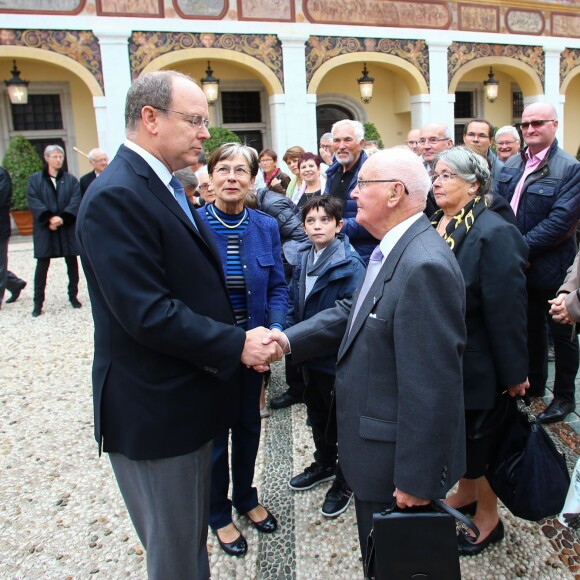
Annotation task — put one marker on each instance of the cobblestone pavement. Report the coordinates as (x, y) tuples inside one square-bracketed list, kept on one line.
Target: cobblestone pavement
[(61, 514)]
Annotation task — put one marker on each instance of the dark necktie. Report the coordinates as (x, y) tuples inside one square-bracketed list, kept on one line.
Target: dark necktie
[(181, 199)]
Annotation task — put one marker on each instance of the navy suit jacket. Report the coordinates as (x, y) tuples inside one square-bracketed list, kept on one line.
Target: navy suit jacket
[(166, 372)]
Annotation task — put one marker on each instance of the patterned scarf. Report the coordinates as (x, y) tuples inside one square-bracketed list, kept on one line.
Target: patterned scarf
[(268, 178), (461, 223)]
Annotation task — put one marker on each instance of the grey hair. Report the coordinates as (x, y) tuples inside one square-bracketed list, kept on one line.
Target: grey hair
[(357, 126), (229, 150), (326, 137), (510, 130), (187, 178), (151, 89), (447, 132), (50, 148), (202, 157), (467, 165), (402, 164), (93, 152)]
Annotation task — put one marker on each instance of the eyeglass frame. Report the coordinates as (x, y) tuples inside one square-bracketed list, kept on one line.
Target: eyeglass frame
[(365, 181), (505, 143), (536, 123), (203, 122), (471, 135), (432, 140), (435, 176), (416, 142), (239, 171)]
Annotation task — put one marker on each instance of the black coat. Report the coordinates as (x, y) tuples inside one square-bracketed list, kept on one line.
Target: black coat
[(492, 259), (5, 202), (86, 180), (45, 202)]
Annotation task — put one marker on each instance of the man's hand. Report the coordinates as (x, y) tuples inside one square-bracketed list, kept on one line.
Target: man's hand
[(406, 500), (259, 353), (559, 311), (325, 155), (278, 336), (520, 389)]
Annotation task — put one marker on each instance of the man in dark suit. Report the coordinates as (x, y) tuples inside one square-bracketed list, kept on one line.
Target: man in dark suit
[(166, 372), (399, 397), (99, 160)]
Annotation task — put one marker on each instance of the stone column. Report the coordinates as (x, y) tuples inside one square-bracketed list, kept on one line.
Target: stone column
[(117, 79), (300, 108), (552, 86), (442, 109), (420, 110)]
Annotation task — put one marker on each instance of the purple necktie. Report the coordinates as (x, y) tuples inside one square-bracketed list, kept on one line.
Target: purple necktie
[(375, 263)]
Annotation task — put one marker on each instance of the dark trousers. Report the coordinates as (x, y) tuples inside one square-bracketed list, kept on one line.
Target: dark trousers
[(294, 380), (319, 399), (41, 273), (245, 441), (364, 522), (565, 348), (168, 501), (3, 268)]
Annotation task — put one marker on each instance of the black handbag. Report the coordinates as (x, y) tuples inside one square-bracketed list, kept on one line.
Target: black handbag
[(528, 473), (418, 543)]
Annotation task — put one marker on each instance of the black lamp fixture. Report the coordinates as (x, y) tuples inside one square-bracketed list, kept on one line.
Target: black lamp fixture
[(17, 88), (365, 85), (210, 85), (491, 86)]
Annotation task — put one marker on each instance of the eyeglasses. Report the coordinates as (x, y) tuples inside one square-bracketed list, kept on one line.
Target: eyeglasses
[(504, 143), (432, 140), (327, 147), (478, 135), (412, 142), (536, 123), (445, 176), (203, 186), (226, 170), (266, 160), (361, 183), (194, 120)]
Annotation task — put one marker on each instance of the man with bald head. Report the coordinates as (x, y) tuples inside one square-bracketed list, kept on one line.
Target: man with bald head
[(542, 186), (99, 160), (391, 443), (435, 137), (412, 141)]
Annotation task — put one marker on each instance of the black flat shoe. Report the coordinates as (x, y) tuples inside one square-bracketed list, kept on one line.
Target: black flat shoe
[(14, 294), (268, 525), (466, 548), (468, 509), (237, 548), (556, 411)]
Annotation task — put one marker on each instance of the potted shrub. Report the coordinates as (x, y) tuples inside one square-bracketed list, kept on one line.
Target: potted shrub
[(21, 161), (372, 134), (219, 136)]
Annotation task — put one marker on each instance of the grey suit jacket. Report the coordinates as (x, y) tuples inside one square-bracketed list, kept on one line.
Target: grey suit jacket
[(399, 392)]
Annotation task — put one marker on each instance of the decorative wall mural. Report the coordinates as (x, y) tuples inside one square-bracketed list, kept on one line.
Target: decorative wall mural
[(320, 49), (569, 60), (42, 5), (80, 45), (130, 7), (201, 8), (478, 18), (266, 10), (145, 47), (393, 13), (566, 25), (460, 53), (524, 21)]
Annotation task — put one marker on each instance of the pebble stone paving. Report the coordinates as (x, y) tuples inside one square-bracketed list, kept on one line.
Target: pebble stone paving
[(61, 514)]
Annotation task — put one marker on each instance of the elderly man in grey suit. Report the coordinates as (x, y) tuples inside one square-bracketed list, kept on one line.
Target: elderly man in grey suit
[(399, 398)]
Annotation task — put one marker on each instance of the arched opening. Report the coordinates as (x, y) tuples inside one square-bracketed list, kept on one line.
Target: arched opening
[(328, 115)]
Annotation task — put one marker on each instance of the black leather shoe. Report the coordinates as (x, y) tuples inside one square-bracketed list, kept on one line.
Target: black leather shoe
[(237, 548), (14, 294), (468, 509), (556, 411), (466, 548), (37, 311), (268, 525), (75, 303), (283, 400)]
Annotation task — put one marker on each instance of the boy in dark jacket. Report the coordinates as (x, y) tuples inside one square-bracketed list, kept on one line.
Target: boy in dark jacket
[(328, 269)]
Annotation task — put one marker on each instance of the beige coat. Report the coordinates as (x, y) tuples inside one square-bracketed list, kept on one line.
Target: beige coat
[(570, 287)]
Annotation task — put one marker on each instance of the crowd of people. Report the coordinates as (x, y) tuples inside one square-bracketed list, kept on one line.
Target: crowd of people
[(397, 281)]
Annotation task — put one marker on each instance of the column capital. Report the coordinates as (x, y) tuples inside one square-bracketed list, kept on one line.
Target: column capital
[(438, 45), (108, 36), (296, 40)]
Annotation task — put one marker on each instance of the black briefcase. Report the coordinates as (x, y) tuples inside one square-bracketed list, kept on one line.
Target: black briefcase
[(417, 543)]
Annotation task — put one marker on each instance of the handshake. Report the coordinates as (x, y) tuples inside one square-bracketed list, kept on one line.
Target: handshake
[(263, 347)]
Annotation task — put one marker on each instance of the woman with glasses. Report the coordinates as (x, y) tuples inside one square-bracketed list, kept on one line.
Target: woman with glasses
[(492, 256), (274, 178), (249, 246)]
